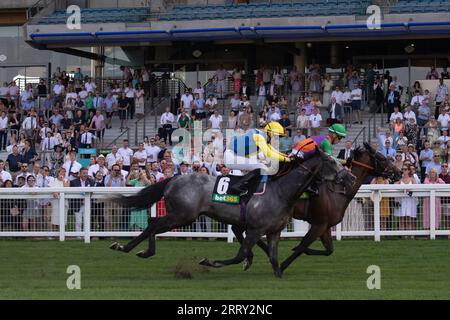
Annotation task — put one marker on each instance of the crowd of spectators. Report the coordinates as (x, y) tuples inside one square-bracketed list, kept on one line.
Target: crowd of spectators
[(75, 114)]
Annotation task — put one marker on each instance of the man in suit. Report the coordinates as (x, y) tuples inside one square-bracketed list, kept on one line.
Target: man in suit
[(78, 205), (335, 111), (391, 100), (347, 152), (245, 89)]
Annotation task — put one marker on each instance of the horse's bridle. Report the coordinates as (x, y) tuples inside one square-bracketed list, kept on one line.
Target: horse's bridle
[(374, 169)]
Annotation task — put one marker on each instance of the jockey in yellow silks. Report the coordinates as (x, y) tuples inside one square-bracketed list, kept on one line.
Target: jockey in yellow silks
[(254, 152)]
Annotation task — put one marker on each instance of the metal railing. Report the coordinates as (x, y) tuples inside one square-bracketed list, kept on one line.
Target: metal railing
[(376, 211)]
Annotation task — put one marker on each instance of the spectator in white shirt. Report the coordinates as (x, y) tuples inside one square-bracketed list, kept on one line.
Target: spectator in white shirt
[(127, 154), (99, 166), (14, 91), (4, 90), (416, 101), (443, 120), (130, 93), (152, 150), (30, 124), (4, 175), (58, 90), (409, 113), (49, 142), (90, 86), (154, 171), (167, 120), (86, 138), (356, 95), (337, 94), (396, 115), (83, 94), (141, 155), (315, 121), (199, 90), (186, 102), (215, 121), (443, 139), (113, 157), (72, 166)]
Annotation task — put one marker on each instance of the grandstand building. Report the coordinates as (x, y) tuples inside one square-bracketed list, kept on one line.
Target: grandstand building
[(193, 37)]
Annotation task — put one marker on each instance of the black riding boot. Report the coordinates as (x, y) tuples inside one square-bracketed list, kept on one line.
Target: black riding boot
[(243, 184)]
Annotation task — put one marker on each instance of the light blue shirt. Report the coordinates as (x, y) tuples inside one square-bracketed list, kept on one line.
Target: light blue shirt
[(200, 103), (109, 103), (114, 183), (426, 153)]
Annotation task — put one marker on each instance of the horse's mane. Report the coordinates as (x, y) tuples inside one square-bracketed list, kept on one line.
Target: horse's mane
[(358, 151)]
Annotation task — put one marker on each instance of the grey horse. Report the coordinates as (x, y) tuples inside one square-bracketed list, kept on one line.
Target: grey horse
[(187, 197)]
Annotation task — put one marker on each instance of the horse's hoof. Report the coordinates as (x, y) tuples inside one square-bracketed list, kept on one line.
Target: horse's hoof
[(278, 273), (142, 254), (205, 262), (115, 246), (247, 265)]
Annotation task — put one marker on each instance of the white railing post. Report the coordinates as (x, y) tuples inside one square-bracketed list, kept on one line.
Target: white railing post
[(153, 211), (62, 216), (87, 217), (229, 234), (339, 231), (432, 214), (376, 215)]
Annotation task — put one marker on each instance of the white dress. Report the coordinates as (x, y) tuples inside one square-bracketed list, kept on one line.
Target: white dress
[(139, 102), (327, 87), (55, 203), (408, 206)]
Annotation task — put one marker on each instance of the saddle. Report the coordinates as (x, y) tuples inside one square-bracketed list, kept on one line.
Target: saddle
[(225, 192)]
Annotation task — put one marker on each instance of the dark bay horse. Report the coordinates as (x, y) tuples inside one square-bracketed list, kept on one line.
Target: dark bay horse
[(187, 197), (328, 209)]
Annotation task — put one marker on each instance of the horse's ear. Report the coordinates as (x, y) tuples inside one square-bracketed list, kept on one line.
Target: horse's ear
[(368, 147)]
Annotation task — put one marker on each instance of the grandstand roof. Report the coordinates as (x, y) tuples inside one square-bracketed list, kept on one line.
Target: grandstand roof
[(290, 32)]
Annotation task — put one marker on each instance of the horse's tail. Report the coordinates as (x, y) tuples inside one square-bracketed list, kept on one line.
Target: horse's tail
[(144, 198)]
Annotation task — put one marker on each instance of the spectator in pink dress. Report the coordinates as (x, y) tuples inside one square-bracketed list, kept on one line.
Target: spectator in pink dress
[(433, 178)]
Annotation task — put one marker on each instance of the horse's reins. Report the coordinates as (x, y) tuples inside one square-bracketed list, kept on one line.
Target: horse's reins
[(363, 165)]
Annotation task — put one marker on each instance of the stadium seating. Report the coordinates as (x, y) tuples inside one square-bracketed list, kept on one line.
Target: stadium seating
[(420, 6), (100, 15), (297, 8), (266, 10)]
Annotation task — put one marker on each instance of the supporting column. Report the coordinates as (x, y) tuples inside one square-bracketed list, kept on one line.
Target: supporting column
[(97, 67), (300, 60), (335, 53)]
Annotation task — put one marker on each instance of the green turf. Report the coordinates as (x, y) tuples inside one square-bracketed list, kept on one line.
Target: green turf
[(414, 269)]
